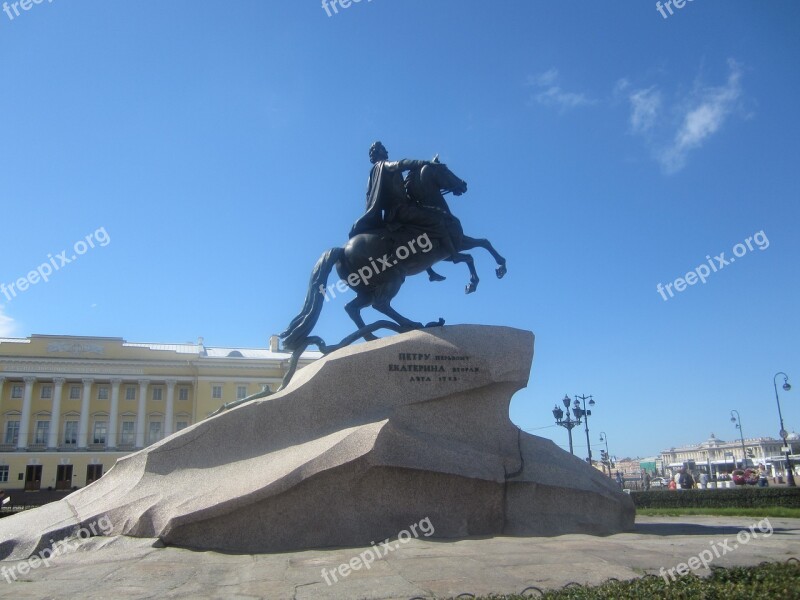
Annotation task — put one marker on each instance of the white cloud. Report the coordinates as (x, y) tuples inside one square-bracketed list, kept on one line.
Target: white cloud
[(621, 85), (547, 78), (7, 325), (645, 107), (555, 96), (688, 124), (703, 118), (552, 94)]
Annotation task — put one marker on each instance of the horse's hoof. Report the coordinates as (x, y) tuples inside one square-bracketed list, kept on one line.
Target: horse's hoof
[(501, 270), (437, 277), (471, 287)]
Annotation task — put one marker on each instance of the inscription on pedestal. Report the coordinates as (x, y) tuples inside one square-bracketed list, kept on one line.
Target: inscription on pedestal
[(425, 367)]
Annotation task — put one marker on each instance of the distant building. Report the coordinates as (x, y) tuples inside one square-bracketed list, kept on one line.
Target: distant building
[(71, 406), (630, 468), (718, 456)]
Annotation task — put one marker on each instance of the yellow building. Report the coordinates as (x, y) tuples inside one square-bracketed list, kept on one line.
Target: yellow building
[(71, 406)]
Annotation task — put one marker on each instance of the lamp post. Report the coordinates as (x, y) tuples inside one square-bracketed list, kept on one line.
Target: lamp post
[(738, 420), (569, 422), (586, 414), (604, 438), (786, 387)]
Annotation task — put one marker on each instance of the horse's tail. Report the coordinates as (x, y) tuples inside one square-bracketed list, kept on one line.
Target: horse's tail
[(302, 325)]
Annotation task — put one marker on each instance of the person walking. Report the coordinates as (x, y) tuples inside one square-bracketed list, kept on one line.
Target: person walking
[(686, 481)]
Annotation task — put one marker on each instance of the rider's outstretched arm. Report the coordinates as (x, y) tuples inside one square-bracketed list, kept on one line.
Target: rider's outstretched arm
[(405, 164)]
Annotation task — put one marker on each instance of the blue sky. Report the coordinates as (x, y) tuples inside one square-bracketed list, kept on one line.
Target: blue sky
[(220, 148)]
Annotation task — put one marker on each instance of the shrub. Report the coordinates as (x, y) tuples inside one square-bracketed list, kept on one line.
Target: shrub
[(768, 581), (743, 497)]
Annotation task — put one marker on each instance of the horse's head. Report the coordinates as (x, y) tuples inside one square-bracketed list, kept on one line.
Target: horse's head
[(425, 185), (439, 175)]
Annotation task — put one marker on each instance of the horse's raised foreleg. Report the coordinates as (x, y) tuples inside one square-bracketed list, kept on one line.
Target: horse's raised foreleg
[(468, 243), (473, 274)]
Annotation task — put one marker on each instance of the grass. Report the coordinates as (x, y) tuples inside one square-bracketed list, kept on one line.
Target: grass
[(768, 581), (768, 511)]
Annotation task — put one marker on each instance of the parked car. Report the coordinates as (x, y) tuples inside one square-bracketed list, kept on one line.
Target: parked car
[(659, 482)]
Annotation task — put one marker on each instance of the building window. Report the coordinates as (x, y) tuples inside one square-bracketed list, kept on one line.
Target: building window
[(16, 392), (75, 392), (46, 392), (100, 431), (3, 473), (216, 392), (102, 393), (42, 427), (183, 393), (127, 433), (264, 387), (12, 432), (157, 393), (241, 392), (181, 425), (154, 433), (71, 433), (130, 393)]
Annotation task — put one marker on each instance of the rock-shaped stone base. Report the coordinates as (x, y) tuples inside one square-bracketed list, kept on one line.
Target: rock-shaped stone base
[(362, 444)]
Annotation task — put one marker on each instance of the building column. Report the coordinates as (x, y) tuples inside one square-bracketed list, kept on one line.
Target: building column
[(55, 418), (25, 419), (140, 414), (83, 427), (113, 416), (2, 382), (170, 410)]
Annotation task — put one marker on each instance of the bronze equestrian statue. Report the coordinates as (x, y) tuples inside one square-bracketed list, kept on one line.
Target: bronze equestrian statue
[(407, 228)]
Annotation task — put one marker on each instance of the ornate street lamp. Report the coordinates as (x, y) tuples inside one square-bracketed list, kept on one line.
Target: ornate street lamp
[(607, 457), (586, 414), (786, 387), (569, 422), (738, 420)]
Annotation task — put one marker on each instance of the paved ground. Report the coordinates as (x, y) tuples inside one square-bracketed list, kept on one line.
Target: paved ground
[(126, 568)]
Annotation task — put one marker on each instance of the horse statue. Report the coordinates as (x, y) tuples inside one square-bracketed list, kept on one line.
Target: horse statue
[(375, 264), (401, 251)]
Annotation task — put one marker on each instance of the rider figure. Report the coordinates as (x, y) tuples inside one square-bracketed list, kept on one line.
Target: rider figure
[(388, 204)]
